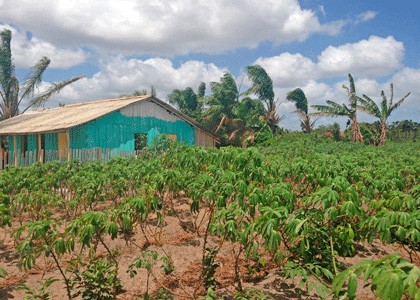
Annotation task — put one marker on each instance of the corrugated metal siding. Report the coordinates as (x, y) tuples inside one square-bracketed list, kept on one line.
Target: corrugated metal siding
[(204, 139), (116, 130), (60, 118), (32, 142), (51, 141), (78, 137)]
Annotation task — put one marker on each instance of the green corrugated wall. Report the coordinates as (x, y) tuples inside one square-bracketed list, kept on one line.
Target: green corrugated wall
[(113, 131), (32, 142), (116, 131)]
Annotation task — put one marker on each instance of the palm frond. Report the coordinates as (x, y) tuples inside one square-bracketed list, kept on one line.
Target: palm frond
[(6, 64), (391, 86), (369, 106), (351, 92), (34, 78), (262, 85), (298, 96), (336, 105), (393, 107), (233, 135), (384, 103), (53, 89), (325, 110), (10, 106), (222, 122), (352, 86)]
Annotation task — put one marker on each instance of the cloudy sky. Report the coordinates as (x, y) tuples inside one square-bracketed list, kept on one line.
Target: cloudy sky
[(122, 46)]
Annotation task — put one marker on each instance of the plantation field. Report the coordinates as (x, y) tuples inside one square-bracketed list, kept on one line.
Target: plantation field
[(298, 218)]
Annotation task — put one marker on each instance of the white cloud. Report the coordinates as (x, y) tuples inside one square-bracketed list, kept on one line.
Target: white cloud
[(27, 52), (288, 69), (165, 27), (373, 57), (366, 16), (118, 76), (121, 76), (322, 10), (370, 58)]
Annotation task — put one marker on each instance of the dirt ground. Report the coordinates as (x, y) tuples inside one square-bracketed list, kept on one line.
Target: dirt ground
[(185, 249)]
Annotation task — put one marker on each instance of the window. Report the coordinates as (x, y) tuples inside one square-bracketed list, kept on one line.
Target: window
[(140, 141)]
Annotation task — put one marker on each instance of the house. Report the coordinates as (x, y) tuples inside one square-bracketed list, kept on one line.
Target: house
[(122, 124)]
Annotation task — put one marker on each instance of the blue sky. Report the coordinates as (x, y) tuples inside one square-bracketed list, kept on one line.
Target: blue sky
[(122, 46)]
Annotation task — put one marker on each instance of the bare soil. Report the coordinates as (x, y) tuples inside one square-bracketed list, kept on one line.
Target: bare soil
[(178, 240)]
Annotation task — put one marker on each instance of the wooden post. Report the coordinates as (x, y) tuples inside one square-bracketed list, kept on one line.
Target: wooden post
[(3, 155), (68, 145), (40, 158), (15, 158)]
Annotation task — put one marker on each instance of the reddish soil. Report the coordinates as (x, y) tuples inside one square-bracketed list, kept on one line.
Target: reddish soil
[(177, 240)]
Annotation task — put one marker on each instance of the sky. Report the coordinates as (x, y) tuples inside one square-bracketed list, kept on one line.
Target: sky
[(128, 45)]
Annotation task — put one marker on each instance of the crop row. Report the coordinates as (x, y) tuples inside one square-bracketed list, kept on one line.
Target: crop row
[(299, 204)]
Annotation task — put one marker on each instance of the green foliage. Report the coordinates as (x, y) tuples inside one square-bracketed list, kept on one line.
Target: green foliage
[(188, 101), (300, 202), (12, 94), (3, 273), (161, 143), (209, 268), (383, 111), (406, 130), (332, 131), (162, 294), (390, 278), (334, 109), (253, 294), (146, 261), (38, 294), (99, 280), (262, 85), (5, 210)]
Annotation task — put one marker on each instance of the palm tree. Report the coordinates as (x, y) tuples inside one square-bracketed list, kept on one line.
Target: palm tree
[(187, 102), (334, 109), (219, 115), (301, 102), (262, 86), (12, 94), (381, 112)]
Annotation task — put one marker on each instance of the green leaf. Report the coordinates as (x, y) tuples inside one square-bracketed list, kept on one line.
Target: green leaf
[(389, 285), (112, 230), (352, 286), (60, 246), (299, 226), (3, 273), (410, 282), (339, 280)]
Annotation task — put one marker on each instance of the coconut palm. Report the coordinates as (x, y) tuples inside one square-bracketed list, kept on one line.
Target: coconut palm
[(381, 112), (301, 102), (262, 86), (12, 94), (187, 102), (334, 109), (218, 114)]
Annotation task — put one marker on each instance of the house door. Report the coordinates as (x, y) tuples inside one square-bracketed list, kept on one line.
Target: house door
[(63, 146), (171, 136)]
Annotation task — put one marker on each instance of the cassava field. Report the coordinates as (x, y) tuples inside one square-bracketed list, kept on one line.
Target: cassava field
[(296, 219)]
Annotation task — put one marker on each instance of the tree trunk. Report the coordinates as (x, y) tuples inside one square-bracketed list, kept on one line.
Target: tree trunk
[(355, 131), (382, 137)]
